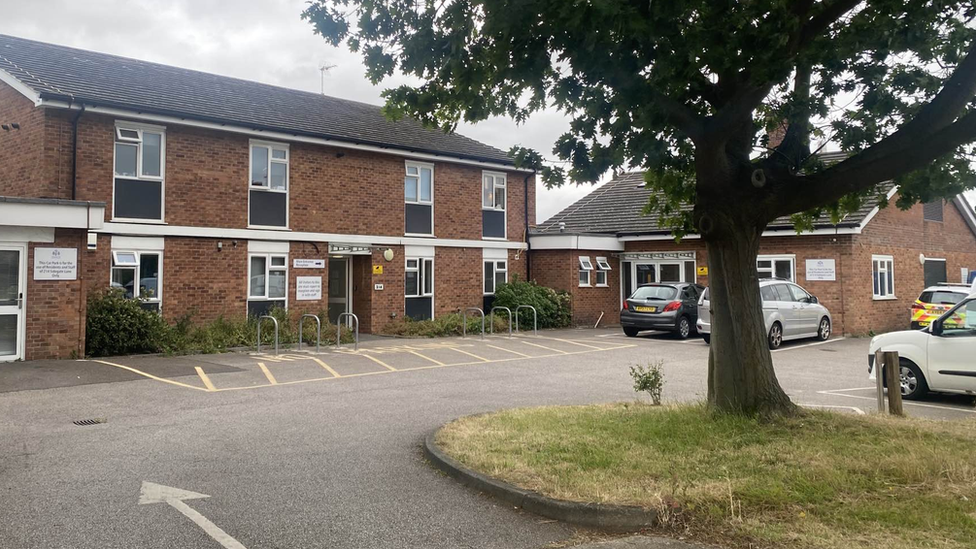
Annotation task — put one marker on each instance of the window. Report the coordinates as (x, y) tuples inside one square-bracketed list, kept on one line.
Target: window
[(782, 293), (267, 283), (419, 288), (493, 200), (770, 266), (584, 273), (139, 167), (602, 263), (139, 275), (268, 194), (601, 274), (883, 275), (960, 321), (932, 211), (418, 195), (799, 294), (496, 273)]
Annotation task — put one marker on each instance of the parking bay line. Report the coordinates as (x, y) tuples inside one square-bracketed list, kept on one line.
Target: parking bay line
[(150, 376), (267, 373), (326, 366), (509, 351), (469, 354), (543, 347), (905, 403), (415, 353), (808, 345), (378, 361), (206, 379)]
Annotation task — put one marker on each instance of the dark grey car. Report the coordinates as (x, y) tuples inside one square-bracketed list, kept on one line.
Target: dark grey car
[(664, 306)]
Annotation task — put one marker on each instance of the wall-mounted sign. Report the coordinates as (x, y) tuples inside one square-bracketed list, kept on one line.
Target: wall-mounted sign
[(377, 269), (703, 270), (308, 288), (55, 264), (349, 249), (378, 287), (821, 269), (657, 255), (309, 263)]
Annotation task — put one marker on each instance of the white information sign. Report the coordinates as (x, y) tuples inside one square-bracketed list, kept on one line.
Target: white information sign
[(309, 263), (55, 264), (821, 269), (308, 288)]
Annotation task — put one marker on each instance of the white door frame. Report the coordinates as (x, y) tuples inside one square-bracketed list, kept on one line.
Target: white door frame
[(20, 309), (349, 286)]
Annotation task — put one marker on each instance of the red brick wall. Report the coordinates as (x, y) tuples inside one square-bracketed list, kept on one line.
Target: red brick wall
[(55, 323), (559, 269), (25, 164), (390, 300), (458, 279)]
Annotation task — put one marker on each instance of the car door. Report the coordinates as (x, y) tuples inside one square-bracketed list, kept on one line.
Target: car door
[(807, 315), (689, 303), (789, 311), (950, 353)]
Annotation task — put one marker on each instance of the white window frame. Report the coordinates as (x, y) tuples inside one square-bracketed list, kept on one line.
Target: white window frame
[(603, 264), (499, 180), (494, 274), (585, 266), (267, 276), (601, 274), (406, 173), (137, 266), (774, 258), (139, 128), (271, 146), (885, 264), (423, 272)]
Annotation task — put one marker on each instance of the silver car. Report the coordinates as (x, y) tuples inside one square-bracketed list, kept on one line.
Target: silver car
[(789, 310)]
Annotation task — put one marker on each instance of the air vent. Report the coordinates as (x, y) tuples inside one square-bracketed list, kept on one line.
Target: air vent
[(87, 422)]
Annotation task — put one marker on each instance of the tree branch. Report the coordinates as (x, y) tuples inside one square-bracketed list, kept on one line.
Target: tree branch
[(820, 22), (683, 118)]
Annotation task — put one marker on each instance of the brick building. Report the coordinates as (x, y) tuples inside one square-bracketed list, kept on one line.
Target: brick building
[(867, 269), (217, 196)]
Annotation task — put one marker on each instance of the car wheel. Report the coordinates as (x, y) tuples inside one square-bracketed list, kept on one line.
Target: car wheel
[(775, 336), (631, 332), (913, 385), (914, 326), (684, 328), (707, 338), (823, 332)]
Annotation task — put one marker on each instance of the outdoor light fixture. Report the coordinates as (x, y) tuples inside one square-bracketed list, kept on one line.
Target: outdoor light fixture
[(388, 254), (220, 246)]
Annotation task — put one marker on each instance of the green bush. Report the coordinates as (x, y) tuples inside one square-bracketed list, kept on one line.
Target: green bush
[(443, 326), (551, 306), (649, 379), (117, 325)]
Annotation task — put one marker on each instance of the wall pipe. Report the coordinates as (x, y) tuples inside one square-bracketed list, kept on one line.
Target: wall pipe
[(74, 153)]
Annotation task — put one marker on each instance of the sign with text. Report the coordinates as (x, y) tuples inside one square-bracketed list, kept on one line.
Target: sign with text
[(377, 269), (821, 269), (55, 264), (308, 288), (309, 263)]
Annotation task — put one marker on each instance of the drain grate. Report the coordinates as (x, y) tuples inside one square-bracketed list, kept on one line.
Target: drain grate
[(86, 422)]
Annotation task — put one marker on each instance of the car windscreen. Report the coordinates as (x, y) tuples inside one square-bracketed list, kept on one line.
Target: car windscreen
[(945, 298), (655, 292)]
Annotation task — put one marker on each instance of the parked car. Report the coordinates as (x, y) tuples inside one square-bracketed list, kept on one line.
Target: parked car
[(790, 313), (934, 301), (664, 306), (936, 358)]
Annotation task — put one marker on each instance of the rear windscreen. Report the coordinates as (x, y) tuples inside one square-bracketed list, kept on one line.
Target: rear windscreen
[(655, 292), (945, 298)]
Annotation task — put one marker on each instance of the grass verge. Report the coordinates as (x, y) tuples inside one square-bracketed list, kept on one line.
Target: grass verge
[(819, 480)]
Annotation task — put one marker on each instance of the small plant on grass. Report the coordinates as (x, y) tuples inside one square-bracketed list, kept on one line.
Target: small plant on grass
[(649, 379)]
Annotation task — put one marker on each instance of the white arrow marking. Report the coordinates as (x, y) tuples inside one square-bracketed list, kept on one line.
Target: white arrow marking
[(157, 493)]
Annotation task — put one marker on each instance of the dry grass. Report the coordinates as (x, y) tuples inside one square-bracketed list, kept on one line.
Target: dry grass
[(820, 480)]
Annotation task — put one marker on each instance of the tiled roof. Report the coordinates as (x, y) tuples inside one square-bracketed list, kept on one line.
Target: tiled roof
[(616, 208), (58, 72)]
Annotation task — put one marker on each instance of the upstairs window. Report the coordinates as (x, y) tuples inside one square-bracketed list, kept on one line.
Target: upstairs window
[(418, 196), (139, 276), (493, 205), (268, 201), (932, 211), (139, 168), (267, 283)]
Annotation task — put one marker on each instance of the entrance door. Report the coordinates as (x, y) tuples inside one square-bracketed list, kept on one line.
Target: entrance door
[(338, 288), (12, 302)]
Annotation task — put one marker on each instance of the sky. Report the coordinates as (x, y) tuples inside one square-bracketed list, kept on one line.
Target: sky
[(260, 40)]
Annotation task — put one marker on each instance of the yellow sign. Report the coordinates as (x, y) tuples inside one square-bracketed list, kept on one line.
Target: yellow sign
[(703, 270), (377, 269)]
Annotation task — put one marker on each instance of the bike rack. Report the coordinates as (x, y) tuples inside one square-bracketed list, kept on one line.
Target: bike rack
[(535, 319), (273, 319), (464, 321), (318, 331), (506, 309), (339, 329)]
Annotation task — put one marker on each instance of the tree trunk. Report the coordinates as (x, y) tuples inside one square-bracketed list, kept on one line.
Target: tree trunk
[(740, 367)]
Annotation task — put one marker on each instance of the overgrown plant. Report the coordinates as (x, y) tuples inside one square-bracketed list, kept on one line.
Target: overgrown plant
[(649, 379), (117, 325), (553, 307)]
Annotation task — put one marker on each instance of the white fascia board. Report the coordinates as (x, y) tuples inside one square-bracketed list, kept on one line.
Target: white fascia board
[(20, 87), (494, 253), (279, 136), (783, 232), (268, 247), (139, 229), (966, 209), (418, 251), (27, 234), (60, 216), (147, 243), (867, 219), (576, 242)]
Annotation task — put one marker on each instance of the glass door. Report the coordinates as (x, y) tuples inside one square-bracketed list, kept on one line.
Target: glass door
[(338, 288), (670, 272), (11, 302)]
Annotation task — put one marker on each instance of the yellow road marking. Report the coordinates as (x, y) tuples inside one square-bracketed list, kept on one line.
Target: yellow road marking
[(380, 362), (571, 342), (469, 354), (267, 373), (511, 351), (428, 358), (326, 366), (543, 347), (150, 376), (206, 379)]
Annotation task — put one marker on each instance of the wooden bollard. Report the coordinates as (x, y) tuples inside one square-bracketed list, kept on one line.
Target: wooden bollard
[(892, 373)]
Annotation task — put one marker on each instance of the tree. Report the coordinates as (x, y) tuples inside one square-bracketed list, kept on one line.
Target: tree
[(687, 90)]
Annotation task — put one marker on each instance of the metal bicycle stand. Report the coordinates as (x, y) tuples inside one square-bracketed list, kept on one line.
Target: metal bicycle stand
[(318, 331), (273, 319), (339, 329), (464, 321), (535, 319), (492, 326)]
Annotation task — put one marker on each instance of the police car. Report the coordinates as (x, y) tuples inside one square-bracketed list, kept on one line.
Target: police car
[(936, 300), (939, 357)]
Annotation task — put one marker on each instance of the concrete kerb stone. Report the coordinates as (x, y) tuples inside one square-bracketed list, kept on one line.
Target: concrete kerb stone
[(612, 518)]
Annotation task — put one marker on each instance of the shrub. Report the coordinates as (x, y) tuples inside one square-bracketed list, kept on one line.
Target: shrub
[(442, 326), (117, 325), (551, 306), (649, 379)]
